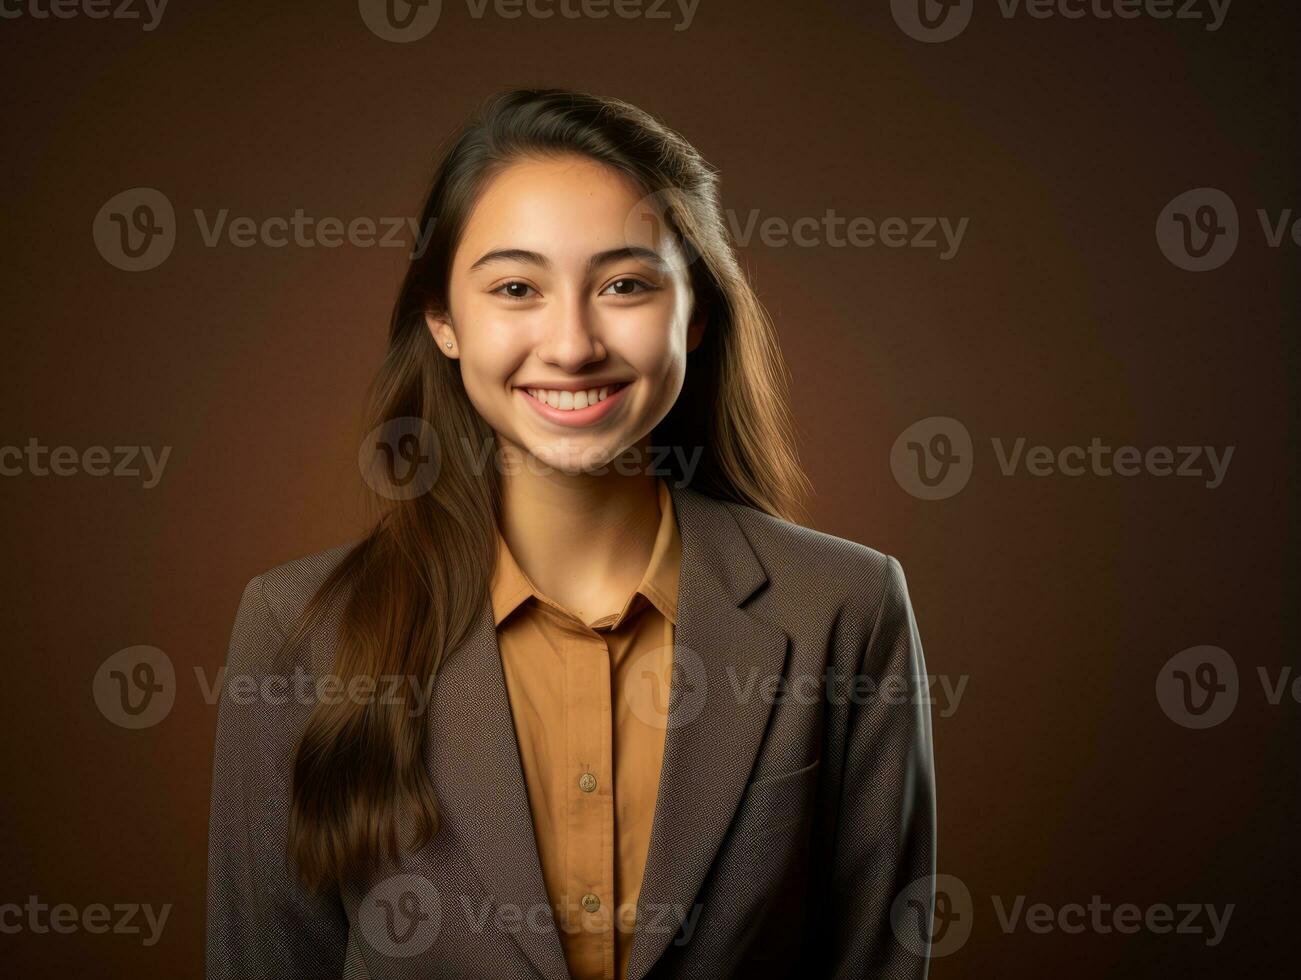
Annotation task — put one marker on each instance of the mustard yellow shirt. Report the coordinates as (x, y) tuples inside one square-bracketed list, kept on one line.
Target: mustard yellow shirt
[(590, 704)]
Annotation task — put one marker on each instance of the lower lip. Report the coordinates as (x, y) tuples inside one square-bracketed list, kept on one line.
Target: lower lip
[(575, 416)]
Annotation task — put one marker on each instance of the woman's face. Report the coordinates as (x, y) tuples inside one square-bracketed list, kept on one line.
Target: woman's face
[(570, 312)]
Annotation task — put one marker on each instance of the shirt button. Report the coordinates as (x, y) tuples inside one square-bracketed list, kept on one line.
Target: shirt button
[(591, 902), (587, 782)]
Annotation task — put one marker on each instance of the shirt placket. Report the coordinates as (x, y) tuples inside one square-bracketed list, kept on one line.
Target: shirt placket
[(590, 802)]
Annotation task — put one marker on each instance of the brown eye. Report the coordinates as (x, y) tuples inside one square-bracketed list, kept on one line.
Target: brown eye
[(514, 290), (628, 287)]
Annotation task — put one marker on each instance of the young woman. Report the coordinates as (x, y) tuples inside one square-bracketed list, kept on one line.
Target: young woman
[(585, 701)]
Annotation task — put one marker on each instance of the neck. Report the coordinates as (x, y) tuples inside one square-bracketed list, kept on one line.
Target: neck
[(584, 540)]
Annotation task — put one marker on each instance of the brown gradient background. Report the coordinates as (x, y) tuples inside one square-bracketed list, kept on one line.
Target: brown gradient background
[(1058, 598)]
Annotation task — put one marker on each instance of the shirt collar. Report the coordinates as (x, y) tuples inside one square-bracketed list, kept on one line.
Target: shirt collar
[(659, 584)]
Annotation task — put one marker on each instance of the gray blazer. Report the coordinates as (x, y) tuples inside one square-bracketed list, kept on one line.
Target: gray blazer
[(794, 833)]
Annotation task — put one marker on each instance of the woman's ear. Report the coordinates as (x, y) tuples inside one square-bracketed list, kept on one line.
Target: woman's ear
[(696, 329), (440, 328)]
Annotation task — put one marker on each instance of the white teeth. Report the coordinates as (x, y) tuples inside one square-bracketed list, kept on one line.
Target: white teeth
[(569, 401)]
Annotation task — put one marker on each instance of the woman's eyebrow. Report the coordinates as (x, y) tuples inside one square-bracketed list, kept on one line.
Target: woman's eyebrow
[(647, 255), (511, 255)]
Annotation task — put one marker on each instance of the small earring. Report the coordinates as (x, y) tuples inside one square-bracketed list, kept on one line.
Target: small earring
[(448, 344)]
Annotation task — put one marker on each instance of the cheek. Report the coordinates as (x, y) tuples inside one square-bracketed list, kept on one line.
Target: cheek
[(493, 346), (656, 351)]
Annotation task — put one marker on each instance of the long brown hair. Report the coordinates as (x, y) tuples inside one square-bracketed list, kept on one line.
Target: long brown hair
[(412, 588)]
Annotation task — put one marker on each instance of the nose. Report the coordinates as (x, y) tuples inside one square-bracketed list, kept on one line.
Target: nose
[(570, 336)]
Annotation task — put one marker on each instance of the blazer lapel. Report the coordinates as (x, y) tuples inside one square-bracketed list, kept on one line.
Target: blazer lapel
[(475, 766), (714, 732)]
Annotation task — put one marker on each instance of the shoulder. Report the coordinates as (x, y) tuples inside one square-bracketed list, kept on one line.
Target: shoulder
[(285, 589), (796, 555), (814, 583), (263, 708), (850, 593), (272, 602)]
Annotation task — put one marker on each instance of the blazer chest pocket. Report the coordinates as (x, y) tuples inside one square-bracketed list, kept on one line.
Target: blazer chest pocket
[(774, 804)]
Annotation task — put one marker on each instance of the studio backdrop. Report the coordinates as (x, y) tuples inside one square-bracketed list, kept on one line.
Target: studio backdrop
[(1033, 267)]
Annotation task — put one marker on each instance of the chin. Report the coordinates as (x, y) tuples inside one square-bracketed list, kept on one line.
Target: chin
[(576, 457)]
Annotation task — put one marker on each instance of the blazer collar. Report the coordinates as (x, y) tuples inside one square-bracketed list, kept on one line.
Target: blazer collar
[(711, 741)]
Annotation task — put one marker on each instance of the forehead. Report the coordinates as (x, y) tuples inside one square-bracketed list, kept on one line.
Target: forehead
[(565, 207)]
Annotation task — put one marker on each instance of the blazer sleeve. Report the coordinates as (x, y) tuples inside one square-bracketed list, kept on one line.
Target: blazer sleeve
[(884, 847), (260, 921)]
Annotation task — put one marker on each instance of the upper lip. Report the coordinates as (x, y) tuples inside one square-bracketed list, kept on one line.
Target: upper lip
[(574, 385)]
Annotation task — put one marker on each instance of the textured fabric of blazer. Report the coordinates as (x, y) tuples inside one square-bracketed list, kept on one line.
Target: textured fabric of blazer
[(794, 830)]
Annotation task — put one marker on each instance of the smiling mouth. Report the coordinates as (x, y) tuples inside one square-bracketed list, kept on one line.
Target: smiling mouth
[(572, 401)]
